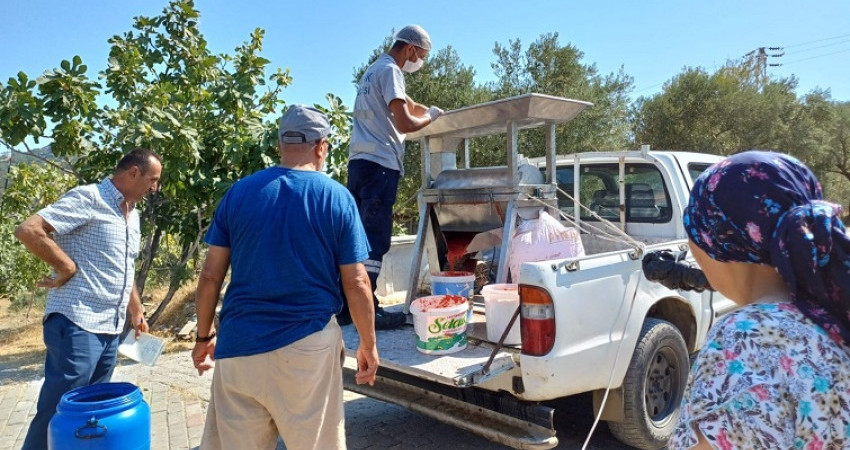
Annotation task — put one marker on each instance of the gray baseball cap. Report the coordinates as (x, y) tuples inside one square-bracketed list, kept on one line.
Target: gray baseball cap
[(301, 124), (416, 35)]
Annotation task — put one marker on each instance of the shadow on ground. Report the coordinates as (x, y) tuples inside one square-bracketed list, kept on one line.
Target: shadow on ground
[(574, 419), (21, 367)]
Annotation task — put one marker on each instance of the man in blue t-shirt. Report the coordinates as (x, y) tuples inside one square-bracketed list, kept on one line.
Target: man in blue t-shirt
[(290, 235), (383, 113)]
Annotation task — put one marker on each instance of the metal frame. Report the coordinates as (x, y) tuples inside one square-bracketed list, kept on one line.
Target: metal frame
[(506, 116)]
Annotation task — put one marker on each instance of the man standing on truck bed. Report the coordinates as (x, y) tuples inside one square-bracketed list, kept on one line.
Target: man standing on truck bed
[(383, 113)]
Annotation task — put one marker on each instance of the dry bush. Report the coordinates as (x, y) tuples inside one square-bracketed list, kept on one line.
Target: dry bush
[(176, 314)]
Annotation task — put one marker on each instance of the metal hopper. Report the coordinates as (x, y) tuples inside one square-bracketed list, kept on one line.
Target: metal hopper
[(455, 203)]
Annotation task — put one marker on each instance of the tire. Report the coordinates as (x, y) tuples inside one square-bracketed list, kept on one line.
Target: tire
[(653, 387)]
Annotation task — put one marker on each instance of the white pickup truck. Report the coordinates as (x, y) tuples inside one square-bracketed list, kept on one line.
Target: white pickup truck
[(588, 324)]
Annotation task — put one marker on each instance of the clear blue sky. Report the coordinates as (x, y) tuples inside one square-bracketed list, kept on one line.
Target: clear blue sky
[(323, 41)]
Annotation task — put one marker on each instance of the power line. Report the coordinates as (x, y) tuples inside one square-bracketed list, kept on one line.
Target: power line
[(816, 48), (649, 87), (761, 58), (782, 50), (819, 40), (819, 56)]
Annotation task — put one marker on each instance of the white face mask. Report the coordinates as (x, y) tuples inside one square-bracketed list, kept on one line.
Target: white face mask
[(411, 67)]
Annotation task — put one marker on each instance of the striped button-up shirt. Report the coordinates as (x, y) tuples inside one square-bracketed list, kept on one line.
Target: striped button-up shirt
[(91, 229)]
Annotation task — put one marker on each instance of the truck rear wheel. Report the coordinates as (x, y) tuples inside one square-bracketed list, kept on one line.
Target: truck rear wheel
[(653, 386)]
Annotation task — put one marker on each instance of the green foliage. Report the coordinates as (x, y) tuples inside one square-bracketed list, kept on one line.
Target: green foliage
[(20, 110), (738, 108), (443, 80), (719, 113), (32, 187), (725, 112), (210, 117), (340, 119), (69, 102), (547, 67), (832, 157)]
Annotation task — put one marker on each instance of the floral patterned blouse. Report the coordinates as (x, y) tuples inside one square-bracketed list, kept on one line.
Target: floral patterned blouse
[(767, 378)]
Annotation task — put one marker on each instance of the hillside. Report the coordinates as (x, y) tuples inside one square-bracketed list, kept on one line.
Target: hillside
[(7, 159)]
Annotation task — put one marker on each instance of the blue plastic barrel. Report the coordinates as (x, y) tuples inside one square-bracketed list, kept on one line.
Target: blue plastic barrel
[(105, 416)]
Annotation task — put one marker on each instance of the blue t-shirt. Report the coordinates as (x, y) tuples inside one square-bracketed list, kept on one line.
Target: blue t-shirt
[(288, 232)]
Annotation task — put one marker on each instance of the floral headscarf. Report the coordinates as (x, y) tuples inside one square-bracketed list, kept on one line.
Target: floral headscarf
[(764, 207)]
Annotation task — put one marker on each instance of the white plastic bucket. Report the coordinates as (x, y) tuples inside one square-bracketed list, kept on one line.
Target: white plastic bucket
[(500, 303), (438, 330)]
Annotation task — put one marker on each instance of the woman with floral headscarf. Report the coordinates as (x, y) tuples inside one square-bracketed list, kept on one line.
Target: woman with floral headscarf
[(775, 373)]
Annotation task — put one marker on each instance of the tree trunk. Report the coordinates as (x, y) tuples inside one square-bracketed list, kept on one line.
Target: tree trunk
[(152, 244), (189, 251), (172, 289), (173, 284), (149, 252)]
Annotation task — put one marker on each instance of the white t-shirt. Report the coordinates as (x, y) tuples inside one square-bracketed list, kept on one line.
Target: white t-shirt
[(374, 136)]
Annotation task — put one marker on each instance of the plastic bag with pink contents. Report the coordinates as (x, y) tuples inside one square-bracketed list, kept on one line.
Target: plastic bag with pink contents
[(542, 239)]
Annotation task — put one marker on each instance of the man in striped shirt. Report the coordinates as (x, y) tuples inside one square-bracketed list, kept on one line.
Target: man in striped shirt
[(90, 238)]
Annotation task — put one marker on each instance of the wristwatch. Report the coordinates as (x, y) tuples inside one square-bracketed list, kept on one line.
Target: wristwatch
[(205, 338)]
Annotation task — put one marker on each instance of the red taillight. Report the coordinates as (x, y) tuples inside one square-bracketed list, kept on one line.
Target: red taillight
[(537, 320)]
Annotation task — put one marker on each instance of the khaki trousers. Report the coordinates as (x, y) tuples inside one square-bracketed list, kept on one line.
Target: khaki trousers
[(294, 391)]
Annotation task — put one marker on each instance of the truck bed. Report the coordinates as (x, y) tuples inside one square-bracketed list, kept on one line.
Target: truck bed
[(397, 350)]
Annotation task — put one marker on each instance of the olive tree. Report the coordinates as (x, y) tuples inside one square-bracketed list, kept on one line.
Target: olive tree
[(737, 108), (549, 67)]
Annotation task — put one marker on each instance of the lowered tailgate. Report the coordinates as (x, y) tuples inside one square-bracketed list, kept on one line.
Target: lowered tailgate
[(464, 368)]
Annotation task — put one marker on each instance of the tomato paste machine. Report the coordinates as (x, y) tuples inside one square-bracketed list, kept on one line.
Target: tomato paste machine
[(457, 203)]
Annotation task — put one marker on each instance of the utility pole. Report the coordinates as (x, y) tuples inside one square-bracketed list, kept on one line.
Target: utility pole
[(757, 61), (6, 181), (761, 63), (8, 170)]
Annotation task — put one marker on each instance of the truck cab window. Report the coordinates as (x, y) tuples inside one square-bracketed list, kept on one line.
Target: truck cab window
[(696, 169), (647, 199)]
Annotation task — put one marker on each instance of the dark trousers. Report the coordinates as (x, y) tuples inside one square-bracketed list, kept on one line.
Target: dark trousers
[(75, 358), (374, 188)]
